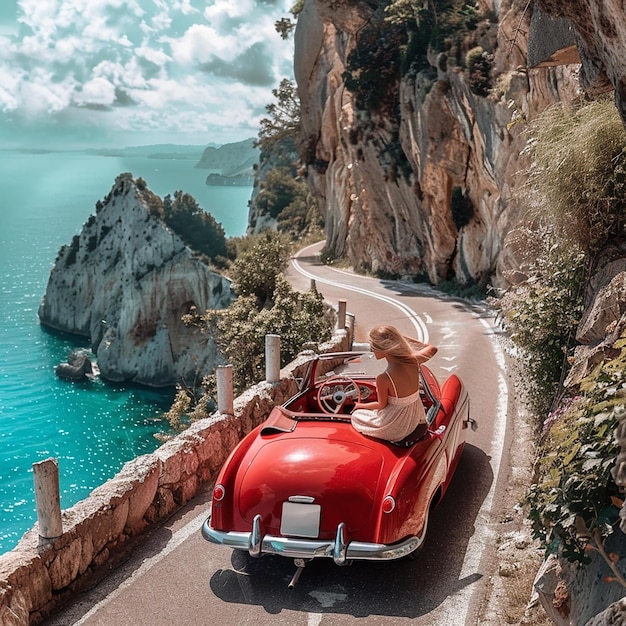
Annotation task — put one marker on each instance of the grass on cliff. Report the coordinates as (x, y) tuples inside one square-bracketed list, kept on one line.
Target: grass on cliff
[(579, 171)]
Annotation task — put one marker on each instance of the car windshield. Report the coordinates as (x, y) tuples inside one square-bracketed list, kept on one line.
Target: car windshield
[(356, 364)]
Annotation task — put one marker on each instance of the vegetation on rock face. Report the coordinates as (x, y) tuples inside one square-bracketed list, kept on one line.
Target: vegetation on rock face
[(373, 66), (542, 313), (577, 184), (397, 41), (197, 228), (574, 503)]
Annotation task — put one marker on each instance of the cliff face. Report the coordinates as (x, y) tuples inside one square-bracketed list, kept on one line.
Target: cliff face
[(601, 39), (125, 282), (434, 189)]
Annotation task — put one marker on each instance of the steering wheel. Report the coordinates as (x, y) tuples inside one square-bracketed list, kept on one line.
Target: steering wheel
[(335, 392)]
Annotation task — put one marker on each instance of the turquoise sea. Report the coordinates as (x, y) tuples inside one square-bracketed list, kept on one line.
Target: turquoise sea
[(92, 428)]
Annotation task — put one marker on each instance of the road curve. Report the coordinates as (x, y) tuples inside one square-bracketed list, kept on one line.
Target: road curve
[(175, 577)]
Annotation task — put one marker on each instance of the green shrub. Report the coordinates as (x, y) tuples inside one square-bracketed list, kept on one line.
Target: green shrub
[(258, 264), (72, 251), (574, 501), (279, 191), (479, 72), (542, 313), (298, 318)]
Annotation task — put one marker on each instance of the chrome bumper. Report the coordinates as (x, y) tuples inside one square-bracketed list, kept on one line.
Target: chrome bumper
[(293, 547)]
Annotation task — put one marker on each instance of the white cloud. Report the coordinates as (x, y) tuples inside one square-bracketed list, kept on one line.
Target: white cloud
[(174, 66), (199, 44), (42, 94), (98, 91)]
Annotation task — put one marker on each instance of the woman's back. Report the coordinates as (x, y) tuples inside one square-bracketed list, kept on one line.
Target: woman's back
[(404, 378)]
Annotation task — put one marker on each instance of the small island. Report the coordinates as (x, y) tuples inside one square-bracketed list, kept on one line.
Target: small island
[(241, 180)]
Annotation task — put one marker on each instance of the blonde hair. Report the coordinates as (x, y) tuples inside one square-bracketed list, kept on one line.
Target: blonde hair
[(389, 340)]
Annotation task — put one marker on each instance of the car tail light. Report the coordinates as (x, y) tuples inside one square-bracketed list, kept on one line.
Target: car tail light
[(218, 492), (389, 504)]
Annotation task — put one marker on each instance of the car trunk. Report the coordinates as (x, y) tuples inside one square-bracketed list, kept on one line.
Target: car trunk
[(324, 480)]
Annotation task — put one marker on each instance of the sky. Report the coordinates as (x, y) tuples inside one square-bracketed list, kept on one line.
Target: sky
[(114, 73)]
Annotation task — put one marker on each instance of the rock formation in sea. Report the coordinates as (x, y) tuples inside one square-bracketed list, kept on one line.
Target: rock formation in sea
[(125, 283), (429, 183)]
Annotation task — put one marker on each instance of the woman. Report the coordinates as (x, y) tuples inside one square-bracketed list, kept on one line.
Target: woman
[(398, 410)]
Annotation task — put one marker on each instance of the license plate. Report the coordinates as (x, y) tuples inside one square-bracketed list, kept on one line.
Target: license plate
[(300, 520)]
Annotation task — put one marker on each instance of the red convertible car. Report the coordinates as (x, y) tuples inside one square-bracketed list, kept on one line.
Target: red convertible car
[(305, 484)]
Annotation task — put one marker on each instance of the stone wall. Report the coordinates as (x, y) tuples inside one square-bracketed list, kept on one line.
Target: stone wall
[(38, 576)]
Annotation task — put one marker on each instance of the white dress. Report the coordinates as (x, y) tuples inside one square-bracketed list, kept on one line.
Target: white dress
[(393, 422)]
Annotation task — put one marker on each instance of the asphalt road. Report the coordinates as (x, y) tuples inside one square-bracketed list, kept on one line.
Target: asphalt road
[(175, 577)]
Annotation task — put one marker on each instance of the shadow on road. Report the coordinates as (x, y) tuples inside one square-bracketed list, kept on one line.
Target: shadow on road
[(406, 588)]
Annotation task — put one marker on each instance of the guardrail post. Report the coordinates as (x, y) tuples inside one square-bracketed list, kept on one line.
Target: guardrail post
[(225, 395), (47, 496), (272, 358), (350, 324), (341, 314)]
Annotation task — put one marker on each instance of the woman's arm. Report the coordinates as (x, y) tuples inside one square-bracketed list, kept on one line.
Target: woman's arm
[(426, 353), (423, 351), (382, 394)]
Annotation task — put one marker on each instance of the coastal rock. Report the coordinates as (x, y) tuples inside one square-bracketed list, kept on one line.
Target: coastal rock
[(78, 366), (125, 283), (430, 185)]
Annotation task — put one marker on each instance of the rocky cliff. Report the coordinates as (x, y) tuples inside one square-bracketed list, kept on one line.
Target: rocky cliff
[(232, 159), (432, 185), (125, 282)]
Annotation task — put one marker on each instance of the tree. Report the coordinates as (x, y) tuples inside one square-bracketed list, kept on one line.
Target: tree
[(284, 115), (197, 228), (296, 317), (285, 26), (265, 304), (256, 268)]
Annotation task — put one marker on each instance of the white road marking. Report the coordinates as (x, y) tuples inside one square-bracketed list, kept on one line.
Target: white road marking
[(419, 325), (327, 599)]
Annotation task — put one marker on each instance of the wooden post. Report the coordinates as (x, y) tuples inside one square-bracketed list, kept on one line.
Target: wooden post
[(341, 315), (46, 474), (272, 358), (225, 395)]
